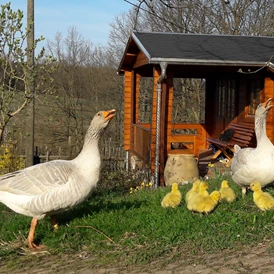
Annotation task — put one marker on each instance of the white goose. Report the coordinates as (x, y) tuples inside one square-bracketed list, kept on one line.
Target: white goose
[(255, 164), (55, 186)]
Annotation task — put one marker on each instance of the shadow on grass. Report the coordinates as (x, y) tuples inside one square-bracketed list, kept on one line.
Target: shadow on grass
[(89, 208)]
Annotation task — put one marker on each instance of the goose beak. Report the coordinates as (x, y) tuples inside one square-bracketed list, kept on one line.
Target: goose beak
[(267, 104), (109, 114)]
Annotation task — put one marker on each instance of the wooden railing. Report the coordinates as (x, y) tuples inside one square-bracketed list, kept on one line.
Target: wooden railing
[(181, 139), (185, 139), (141, 145)]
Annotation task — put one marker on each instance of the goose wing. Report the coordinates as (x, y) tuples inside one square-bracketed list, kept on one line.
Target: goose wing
[(241, 158), (242, 166), (37, 179)]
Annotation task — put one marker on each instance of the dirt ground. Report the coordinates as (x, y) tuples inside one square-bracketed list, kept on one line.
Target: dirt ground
[(249, 260)]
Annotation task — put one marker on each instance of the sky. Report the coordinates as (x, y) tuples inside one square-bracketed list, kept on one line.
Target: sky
[(90, 17)]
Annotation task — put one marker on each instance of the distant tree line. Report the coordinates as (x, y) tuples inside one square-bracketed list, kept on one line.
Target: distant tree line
[(86, 81)]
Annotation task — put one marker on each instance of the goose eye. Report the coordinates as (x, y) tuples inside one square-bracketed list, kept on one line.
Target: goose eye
[(99, 114)]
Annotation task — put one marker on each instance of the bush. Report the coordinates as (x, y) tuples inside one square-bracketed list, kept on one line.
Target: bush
[(8, 161)]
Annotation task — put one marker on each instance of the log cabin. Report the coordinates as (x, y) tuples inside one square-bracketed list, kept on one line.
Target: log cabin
[(180, 89)]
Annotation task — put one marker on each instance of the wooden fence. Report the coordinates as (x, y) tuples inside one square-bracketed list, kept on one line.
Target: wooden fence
[(112, 154)]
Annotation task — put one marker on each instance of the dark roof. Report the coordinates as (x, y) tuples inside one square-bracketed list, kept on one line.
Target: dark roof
[(207, 49)]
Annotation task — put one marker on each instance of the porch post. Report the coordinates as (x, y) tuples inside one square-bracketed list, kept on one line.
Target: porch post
[(163, 132), (129, 90), (158, 121)]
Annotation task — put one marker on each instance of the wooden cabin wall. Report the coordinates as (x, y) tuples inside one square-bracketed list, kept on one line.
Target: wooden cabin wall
[(266, 92), (269, 93), (214, 127), (242, 99), (128, 108), (136, 93)]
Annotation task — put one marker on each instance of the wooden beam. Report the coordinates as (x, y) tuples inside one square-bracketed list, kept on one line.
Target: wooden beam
[(131, 54), (156, 76), (141, 60), (163, 132)]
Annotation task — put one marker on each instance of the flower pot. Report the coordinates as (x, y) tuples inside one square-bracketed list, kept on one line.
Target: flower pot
[(180, 168)]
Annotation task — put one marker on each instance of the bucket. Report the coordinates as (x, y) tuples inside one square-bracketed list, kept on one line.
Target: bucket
[(180, 167)]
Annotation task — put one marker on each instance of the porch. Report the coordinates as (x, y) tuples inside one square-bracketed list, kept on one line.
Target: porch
[(183, 144)]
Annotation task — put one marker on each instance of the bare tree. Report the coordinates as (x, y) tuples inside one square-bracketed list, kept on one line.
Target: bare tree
[(16, 76), (85, 82), (243, 17), (119, 33), (71, 53)]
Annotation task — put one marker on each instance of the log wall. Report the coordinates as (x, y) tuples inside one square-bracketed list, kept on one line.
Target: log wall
[(128, 106)]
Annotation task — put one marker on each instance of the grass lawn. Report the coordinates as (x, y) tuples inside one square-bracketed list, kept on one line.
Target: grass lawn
[(116, 225)]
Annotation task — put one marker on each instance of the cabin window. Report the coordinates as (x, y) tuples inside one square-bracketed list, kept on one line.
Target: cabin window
[(226, 90), (188, 101), (255, 92), (145, 100)]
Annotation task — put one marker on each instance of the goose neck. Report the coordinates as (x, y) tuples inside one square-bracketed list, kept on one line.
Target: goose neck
[(90, 148), (260, 129)]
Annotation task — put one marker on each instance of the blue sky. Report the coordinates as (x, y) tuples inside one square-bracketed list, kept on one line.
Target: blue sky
[(91, 17)]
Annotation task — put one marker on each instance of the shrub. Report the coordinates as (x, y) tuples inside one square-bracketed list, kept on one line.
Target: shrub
[(8, 161)]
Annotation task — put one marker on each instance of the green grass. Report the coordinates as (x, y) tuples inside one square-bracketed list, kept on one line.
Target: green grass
[(134, 228)]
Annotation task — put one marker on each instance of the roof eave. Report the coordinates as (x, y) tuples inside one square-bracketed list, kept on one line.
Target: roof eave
[(178, 61), (140, 46), (194, 62), (120, 71)]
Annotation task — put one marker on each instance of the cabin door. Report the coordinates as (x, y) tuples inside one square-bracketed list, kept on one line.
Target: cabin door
[(225, 102)]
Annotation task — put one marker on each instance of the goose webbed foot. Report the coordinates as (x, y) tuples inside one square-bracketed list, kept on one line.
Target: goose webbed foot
[(243, 192), (30, 239)]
